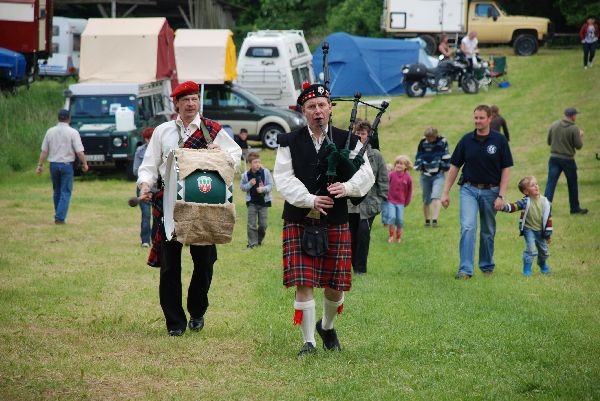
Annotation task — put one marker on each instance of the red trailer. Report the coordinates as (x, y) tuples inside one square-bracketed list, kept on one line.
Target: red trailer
[(26, 27)]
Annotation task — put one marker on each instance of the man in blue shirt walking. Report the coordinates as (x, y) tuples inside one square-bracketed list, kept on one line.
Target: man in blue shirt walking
[(486, 159)]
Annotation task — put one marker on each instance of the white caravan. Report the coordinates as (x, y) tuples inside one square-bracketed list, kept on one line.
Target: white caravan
[(66, 41), (274, 64)]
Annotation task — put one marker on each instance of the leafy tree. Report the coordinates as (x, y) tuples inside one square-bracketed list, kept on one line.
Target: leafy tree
[(576, 11), (358, 17)]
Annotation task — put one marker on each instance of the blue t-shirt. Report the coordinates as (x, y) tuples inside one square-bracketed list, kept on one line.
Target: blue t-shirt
[(483, 159)]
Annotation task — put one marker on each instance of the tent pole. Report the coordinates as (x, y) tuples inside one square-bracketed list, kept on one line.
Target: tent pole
[(201, 99)]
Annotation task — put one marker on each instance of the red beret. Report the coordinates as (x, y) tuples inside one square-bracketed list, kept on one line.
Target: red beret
[(312, 91), (184, 89), (147, 133)]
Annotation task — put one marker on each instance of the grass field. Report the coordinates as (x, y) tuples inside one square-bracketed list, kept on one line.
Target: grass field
[(79, 311)]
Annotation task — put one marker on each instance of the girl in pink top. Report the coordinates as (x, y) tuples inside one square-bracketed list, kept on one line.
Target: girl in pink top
[(399, 196)]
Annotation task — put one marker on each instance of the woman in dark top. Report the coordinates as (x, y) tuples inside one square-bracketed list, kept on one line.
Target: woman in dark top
[(499, 122)]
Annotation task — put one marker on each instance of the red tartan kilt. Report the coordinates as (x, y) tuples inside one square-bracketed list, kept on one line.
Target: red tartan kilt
[(334, 270)]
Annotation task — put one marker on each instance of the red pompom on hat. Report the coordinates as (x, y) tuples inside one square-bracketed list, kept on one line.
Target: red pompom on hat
[(305, 85), (184, 89)]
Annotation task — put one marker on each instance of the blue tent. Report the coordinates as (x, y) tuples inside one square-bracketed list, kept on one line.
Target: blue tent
[(368, 65)]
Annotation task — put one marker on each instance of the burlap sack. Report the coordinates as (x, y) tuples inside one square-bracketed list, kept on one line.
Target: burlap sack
[(203, 223), (190, 160)]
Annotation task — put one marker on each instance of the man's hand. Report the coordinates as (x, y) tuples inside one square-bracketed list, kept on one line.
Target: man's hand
[(581, 133), (337, 189), (499, 204), (85, 167), (260, 189), (548, 240), (252, 181), (39, 169), (145, 194), (322, 203), (213, 146), (445, 201)]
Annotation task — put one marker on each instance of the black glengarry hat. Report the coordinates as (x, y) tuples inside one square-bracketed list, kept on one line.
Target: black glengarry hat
[(311, 91)]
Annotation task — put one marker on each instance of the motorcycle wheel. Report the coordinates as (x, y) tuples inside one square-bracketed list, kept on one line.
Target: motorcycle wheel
[(469, 84), (415, 89)]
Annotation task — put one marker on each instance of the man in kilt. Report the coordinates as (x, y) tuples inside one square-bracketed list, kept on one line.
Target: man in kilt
[(311, 199), (189, 130)]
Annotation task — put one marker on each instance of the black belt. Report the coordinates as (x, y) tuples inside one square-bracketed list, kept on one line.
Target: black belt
[(481, 186)]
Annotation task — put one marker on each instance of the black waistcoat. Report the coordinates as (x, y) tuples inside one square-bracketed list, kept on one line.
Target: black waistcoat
[(310, 168)]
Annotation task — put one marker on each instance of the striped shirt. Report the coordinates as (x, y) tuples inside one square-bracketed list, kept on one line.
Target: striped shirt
[(433, 157)]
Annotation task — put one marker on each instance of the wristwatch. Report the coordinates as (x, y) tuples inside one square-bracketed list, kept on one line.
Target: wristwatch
[(500, 196)]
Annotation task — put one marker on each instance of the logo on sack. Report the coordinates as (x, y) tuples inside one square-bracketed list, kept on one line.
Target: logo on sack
[(204, 183), (492, 149)]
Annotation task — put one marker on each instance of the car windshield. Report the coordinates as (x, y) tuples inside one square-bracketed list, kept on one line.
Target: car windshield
[(100, 106), (250, 96)]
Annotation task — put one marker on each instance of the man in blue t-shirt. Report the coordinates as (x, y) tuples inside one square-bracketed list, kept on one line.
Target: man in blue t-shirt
[(485, 157)]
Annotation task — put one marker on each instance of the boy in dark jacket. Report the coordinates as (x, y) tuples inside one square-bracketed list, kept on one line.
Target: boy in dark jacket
[(535, 224)]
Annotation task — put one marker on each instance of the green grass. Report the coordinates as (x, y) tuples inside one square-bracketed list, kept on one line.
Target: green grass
[(80, 318)]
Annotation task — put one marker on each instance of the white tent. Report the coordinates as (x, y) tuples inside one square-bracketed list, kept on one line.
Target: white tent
[(126, 50), (205, 56)]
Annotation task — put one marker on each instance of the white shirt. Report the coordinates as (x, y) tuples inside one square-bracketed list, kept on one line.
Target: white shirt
[(62, 143), (469, 46), (294, 191), (169, 136)]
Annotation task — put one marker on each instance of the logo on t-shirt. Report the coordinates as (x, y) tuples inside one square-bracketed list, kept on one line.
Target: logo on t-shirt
[(491, 149)]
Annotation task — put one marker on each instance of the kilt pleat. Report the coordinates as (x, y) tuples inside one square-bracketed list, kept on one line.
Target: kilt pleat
[(334, 270)]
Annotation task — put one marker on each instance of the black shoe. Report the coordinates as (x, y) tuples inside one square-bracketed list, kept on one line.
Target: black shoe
[(488, 273), (176, 332), (329, 337), (307, 349), (462, 276), (580, 211), (196, 324)]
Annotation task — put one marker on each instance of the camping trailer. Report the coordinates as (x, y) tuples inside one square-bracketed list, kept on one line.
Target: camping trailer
[(66, 41), (274, 64)]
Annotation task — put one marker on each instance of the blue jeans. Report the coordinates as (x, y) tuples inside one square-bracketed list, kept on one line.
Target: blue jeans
[(393, 214), (472, 201), (62, 183), (556, 165), (145, 229), (535, 245)]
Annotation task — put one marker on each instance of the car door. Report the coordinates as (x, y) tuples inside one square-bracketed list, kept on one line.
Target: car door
[(237, 111)]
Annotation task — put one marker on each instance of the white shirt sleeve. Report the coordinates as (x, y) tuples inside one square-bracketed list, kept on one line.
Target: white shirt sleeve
[(362, 181), (290, 187), (228, 145), (148, 171)]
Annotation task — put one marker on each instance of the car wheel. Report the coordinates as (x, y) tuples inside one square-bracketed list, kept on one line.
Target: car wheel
[(430, 44), (525, 45), (269, 135)]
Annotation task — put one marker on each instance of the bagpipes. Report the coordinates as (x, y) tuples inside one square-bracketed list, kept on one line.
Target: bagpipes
[(339, 165)]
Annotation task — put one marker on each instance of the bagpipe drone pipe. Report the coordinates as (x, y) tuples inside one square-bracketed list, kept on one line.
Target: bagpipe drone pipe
[(339, 165)]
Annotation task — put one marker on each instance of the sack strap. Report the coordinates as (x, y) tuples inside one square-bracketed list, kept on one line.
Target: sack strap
[(205, 132)]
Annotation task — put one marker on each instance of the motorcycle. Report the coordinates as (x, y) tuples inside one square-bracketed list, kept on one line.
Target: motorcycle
[(418, 78)]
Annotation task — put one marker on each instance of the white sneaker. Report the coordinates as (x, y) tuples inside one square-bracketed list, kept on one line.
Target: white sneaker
[(145, 245), (590, 64), (585, 67)]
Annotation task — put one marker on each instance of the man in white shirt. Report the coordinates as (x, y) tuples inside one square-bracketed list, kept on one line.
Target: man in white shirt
[(61, 144), (188, 131), (312, 200)]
